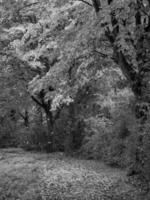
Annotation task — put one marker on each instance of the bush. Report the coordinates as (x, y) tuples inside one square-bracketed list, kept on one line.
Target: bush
[(96, 138), (108, 139), (8, 136), (139, 151), (33, 138)]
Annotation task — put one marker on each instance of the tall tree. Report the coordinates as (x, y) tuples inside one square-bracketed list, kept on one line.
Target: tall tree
[(126, 25)]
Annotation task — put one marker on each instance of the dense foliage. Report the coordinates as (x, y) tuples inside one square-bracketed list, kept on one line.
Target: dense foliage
[(74, 77)]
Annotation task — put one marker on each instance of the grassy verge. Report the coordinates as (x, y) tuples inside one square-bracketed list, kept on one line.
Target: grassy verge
[(33, 176)]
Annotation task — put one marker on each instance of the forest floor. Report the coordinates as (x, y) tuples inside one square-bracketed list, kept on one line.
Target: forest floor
[(39, 176)]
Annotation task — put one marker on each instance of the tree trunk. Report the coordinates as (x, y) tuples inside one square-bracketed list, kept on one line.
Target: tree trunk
[(49, 119), (139, 78), (96, 5), (26, 119), (69, 147), (50, 133)]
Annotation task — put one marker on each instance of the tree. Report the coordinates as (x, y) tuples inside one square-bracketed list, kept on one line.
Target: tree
[(126, 25), (64, 61)]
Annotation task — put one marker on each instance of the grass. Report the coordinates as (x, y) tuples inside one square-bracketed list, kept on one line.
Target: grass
[(35, 176)]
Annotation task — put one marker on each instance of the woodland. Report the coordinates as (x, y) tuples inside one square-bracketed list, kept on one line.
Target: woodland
[(75, 91)]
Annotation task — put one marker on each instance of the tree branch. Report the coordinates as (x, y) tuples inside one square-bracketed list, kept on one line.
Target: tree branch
[(22, 115), (35, 100), (109, 36), (110, 1), (28, 5), (86, 3), (102, 54), (126, 68), (96, 5), (58, 112)]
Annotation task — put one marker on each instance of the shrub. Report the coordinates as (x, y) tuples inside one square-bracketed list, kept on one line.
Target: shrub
[(95, 141), (109, 139), (138, 148), (33, 138), (7, 134)]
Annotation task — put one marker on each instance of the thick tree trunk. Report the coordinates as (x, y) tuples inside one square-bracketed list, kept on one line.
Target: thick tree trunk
[(49, 119)]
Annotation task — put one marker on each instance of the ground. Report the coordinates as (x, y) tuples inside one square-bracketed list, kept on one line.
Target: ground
[(39, 176)]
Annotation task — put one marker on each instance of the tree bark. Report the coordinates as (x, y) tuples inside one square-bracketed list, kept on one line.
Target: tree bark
[(70, 129), (139, 79), (26, 118), (50, 122), (96, 5), (50, 133)]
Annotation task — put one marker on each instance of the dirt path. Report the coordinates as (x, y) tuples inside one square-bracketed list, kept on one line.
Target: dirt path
[(33, 176)]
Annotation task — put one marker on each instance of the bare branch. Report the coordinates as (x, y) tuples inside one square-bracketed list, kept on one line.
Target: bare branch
[(102, 54), (39, 103), (21, 115), (28, 5), (86, 3), (96, 5)]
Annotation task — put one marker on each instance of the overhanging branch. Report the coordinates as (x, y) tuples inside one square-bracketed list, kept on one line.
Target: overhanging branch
[(86, 3), (22, 115), (28, 5), (96, 5), (126, 68), (36, 101), (100, 53)]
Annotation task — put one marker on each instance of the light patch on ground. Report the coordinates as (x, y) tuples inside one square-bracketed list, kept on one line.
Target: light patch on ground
[(35, 176)]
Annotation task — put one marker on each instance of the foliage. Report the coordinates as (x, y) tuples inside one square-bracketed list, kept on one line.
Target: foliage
[(75, 81), (7, 138), (33, 138)]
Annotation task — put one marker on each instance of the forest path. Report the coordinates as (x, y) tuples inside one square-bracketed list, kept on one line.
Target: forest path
[(39, 176)]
